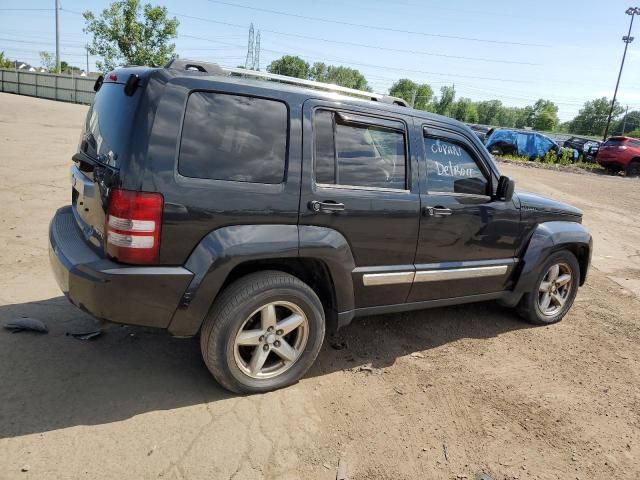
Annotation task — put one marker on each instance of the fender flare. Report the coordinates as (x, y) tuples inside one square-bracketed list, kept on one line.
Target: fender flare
[(547, 238), (219, 252)]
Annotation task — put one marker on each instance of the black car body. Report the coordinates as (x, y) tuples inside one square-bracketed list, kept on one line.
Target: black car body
[(481, 131), (586, 147), (193, 181)]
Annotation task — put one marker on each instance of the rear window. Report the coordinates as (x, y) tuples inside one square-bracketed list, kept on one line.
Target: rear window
[(109, 123), (235, 138), (615, 142)]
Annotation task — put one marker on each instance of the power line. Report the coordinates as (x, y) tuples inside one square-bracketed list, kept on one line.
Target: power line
[(382, 67), (375, 27), (27, 9), (363, 45)]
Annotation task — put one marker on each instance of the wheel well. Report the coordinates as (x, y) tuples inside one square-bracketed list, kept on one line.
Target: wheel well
[(582, 254), (314, 273)]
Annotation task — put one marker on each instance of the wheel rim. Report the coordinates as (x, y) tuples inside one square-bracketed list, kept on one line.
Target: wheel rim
[(554, 289), (271, 340)]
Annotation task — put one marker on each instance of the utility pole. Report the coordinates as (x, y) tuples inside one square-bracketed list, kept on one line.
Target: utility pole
[(413, 98), (87, 48), (627, 40), (624, 121), (57, 36)]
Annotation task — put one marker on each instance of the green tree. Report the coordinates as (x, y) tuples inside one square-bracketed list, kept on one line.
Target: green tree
[(543, 115), (127, 33), (66, 68), (406, 89), (444, 103), (488, 112), (48, 61), (4, 61), (465, 110), (592, 118), (290, 66), (632, 123), (634, 133), (344, 76)]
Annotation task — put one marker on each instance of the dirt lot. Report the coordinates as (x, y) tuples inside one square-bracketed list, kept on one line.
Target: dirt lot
[(439, 394)]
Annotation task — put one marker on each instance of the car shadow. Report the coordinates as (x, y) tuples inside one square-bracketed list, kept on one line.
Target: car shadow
[(53, 381)]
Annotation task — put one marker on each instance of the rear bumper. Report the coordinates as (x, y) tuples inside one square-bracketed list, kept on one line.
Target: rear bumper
[(135, 295)]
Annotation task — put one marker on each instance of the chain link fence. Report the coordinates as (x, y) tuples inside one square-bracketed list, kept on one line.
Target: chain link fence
[(47, 85)]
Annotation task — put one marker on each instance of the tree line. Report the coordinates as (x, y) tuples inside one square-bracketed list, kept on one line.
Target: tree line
[(542, 115), (129, 33)]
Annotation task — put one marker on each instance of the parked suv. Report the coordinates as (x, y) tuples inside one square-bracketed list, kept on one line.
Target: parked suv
[(620, 153), (260, 215)]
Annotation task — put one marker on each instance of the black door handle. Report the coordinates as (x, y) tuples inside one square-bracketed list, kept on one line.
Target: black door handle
[(328, 206), (436, 211)]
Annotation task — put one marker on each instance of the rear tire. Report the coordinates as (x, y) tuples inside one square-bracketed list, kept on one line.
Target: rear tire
[(554, 292), (263, 332), (633, 169)]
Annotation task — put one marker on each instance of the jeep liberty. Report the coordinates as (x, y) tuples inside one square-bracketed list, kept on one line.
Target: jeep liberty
[(261, 214)]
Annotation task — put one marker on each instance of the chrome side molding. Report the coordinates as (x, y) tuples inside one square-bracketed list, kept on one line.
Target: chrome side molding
[(460, 273), (395, 278)]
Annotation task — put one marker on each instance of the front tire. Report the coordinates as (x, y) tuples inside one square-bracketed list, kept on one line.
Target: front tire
[(263, 332), (554, 292)]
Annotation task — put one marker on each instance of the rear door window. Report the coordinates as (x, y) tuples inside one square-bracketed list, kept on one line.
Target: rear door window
[(234, 138), (358, 154)]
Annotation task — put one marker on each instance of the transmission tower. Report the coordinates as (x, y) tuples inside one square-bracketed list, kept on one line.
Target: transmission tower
[(248, 63), (256, 53)]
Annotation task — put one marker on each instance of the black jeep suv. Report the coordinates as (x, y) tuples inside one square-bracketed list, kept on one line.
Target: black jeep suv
[(260, 215)]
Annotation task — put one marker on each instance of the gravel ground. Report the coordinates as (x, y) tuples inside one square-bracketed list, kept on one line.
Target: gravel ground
[(438, 394)]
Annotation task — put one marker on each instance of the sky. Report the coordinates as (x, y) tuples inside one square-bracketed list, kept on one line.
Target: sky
[(565, 51)]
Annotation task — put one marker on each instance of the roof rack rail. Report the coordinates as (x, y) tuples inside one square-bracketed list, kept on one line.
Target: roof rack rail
[(195, 65), (376, 97), (215, 69)]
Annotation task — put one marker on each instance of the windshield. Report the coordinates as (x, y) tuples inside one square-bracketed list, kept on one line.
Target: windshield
[(108, 124)]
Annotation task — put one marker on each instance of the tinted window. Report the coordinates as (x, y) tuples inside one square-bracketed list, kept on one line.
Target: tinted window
[(451, 169), (614, 142), (634, 143), (109, 123), (358, 155), (232, 137)]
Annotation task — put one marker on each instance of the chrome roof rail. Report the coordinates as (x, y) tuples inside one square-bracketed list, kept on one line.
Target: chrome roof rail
[(215, 69), (377, 97)]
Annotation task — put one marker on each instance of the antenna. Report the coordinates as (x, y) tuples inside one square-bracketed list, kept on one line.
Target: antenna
[(248, 63)]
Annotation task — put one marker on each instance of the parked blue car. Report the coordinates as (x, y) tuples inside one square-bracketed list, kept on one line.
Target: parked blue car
[(523, 143)]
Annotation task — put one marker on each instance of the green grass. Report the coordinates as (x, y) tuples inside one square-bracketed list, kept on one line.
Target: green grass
[(551, 158)]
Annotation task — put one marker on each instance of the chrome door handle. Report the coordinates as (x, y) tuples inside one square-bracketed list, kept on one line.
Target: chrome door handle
[(437, 211), (325, 207)]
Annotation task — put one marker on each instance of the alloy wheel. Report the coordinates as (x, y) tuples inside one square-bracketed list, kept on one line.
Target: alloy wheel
[(271, 340), (554, 289)]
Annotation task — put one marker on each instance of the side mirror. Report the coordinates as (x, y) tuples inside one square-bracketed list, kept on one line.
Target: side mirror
[(505, 189)]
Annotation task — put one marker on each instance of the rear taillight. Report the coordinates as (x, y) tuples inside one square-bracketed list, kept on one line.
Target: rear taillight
[(133, 226)]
